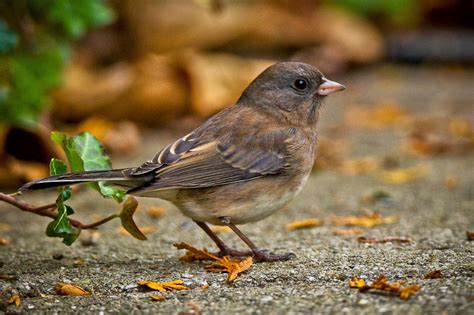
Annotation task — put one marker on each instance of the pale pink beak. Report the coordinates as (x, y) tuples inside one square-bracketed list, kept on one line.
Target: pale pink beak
[(329, 87)]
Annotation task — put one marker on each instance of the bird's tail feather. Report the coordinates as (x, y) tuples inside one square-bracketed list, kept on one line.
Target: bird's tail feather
[(118, 177)]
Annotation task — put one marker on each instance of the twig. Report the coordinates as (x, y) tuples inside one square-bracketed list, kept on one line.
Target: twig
[(49, 211)]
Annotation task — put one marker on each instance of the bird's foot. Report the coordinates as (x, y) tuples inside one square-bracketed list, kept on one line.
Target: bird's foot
[(227, 251), (259, 255), (264, 256)]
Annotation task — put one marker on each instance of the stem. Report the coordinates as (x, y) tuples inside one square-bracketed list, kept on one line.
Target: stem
[(49, 211)]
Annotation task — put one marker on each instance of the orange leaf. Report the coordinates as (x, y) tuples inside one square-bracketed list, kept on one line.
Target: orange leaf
[(365, 240), (404, 175), (347, 232), (164, 286), (15, 299), (225, 264), (194, 254), (70, 289), (369, 220), (470, 235), (304, 224), (360, 166), (4, 241), (358, 283), (156, 297), (407, 292), (435, 274), (382, 284), (232, 266)]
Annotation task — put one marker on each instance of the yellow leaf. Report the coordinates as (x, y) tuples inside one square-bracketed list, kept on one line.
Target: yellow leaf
[(15, 299), (404, 175), (451, 182), (164, 286), (407, 292), (225, 264), (357, 283), (368, 220), (126, 217), (382, 284), (347, 232), (360, 166), (304, 224), (156, 297), (70, 289), (4, 241), (232, 266)]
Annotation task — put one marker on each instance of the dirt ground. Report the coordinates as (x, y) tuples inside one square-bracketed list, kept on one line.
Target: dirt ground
[(434, 216)]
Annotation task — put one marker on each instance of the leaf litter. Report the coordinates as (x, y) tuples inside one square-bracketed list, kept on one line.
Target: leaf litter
[(175, 285), (232, 266), (70, 289), (382, 284)]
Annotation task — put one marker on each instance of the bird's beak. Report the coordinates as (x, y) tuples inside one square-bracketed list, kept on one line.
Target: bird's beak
[(329, 87)]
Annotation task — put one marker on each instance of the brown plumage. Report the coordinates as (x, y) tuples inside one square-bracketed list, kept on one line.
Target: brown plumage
[(241, 165)]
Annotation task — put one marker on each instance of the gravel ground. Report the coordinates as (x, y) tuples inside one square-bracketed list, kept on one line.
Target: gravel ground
[(435, 217)]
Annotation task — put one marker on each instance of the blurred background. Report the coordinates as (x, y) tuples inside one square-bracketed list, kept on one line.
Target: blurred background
[(138, 73)]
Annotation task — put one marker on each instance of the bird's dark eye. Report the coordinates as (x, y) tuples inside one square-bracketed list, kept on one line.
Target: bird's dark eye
[(300, 84)]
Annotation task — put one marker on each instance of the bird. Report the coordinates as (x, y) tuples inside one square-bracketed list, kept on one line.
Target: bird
[(241, 165)]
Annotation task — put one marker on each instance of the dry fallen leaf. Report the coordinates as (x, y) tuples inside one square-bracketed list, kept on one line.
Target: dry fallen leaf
[(304, 224), (369, 220), (7, 277), (363, 239), (382, 283), (358, 283), (470, 235), (225, 264), (435, 274), (232, 266), (4, 241), (164, 286), (155, 297), (451, 182), (404, 175), (193, 254), (4, 227), (381, 116), (347, 232), (156, 212), (15, 299), (70, 289), (360, 166), (431, 136)]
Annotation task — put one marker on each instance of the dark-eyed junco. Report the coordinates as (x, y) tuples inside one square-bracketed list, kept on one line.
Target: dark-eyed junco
[(241, 165)]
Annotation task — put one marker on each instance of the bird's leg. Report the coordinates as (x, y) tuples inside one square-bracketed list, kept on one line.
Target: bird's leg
[(259, 255), (224, 249)]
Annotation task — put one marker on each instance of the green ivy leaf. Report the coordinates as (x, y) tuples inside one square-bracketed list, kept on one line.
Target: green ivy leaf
[(85, 153), (57, 167), (126, 217), (61, 227)]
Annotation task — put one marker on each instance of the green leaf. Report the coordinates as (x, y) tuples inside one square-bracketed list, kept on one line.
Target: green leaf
[(85, 153), (126, 217), (57, 167), (61, 227)]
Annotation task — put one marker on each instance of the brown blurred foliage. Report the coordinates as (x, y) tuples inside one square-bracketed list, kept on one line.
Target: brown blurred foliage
[(165, 59)]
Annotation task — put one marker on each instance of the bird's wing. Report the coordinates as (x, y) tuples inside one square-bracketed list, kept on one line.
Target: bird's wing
[(190, 163)]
